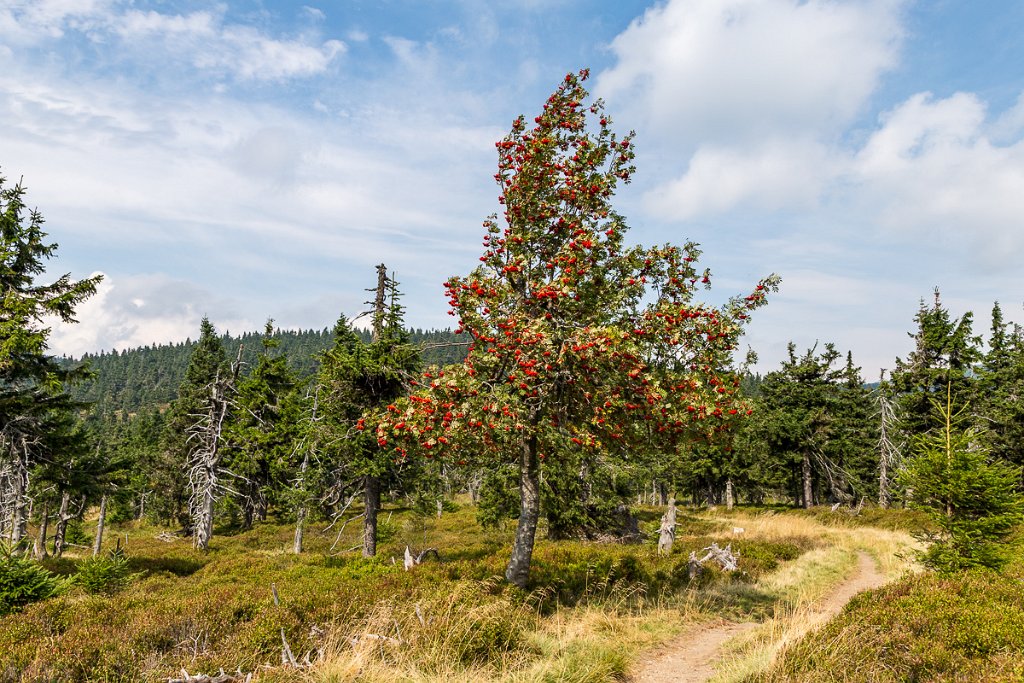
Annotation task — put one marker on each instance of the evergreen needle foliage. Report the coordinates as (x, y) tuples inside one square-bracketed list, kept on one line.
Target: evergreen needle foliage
[(972, 500), (104, 575), (22, 581)]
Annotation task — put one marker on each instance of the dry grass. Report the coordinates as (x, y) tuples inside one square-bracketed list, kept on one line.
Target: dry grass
[(801, 584)]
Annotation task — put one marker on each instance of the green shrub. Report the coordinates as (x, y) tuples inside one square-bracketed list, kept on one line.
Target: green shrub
[(104, 575), (22, 581), (76, 534), (966, 627)]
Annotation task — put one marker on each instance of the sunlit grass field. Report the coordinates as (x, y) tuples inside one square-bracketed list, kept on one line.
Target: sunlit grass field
[(589, 612)]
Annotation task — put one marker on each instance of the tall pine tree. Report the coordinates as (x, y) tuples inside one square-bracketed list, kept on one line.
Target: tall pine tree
[(945, 351), (207, 362), (34, 402), (355, 380)]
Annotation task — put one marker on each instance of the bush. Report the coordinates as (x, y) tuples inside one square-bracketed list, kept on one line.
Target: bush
[(104, 575), (966, 627), (973, 501), (76, 534), (22, 581)]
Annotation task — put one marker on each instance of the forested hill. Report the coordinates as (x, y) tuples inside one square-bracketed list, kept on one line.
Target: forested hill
[(147, 376)]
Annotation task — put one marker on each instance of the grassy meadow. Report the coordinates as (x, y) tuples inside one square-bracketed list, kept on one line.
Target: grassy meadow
[(590, 610)]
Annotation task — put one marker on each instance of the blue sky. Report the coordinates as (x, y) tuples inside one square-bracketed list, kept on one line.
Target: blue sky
[(247, 160)]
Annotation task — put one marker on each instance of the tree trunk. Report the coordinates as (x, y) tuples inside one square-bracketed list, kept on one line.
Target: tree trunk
[(371, 492), (667, 533), (299, 523), (300, 517), (518, 569), (44, 522), (883, 483), (729, 498), (808, 485), (204, 525), (248, 508), (18, 503), (62, 524), (98, 544)]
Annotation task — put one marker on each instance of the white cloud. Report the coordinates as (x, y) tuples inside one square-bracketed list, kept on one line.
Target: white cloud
[(768, 176), (138, 310), (202, 38), (215, 46), (744, 100), (314, 13), (723, 70), (931, 172), (27, 22)]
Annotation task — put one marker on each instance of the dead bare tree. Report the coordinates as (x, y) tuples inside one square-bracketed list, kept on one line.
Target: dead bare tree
[(888, 452), (14, 482), (100, 524), (205, 474), (667, 532), (300, 484)]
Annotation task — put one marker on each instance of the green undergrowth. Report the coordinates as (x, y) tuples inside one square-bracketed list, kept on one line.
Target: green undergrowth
[(896, 519), (164, 607), (966, 626)]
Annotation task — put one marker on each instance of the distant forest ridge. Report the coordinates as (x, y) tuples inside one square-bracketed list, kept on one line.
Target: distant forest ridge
[(149, 376)]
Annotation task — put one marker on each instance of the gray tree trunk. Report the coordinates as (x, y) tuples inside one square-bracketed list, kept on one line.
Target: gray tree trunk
[(44, 523), (730, 500), (807, 482), (518, 570), (300, 517), (18, 505), (371, 497), (100, 523), (63, 517), (667, 533)]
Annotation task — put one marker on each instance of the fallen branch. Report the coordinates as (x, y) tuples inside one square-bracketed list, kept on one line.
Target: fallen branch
[(413, 560), (237, 677), (728, 559), (355, 640), (724, 556), (287, 658)]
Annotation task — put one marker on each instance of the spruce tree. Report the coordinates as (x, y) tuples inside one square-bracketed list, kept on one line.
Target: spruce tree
[(811, 430), (355, 380), (34, 402), (971, 498), (206, 363), (945, 351), (1001, 391), (260, 436)]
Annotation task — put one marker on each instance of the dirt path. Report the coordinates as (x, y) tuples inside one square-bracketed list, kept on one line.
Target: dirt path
[(692, 657)]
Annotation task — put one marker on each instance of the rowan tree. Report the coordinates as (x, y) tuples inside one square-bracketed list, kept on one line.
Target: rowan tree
[(578, 339)]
